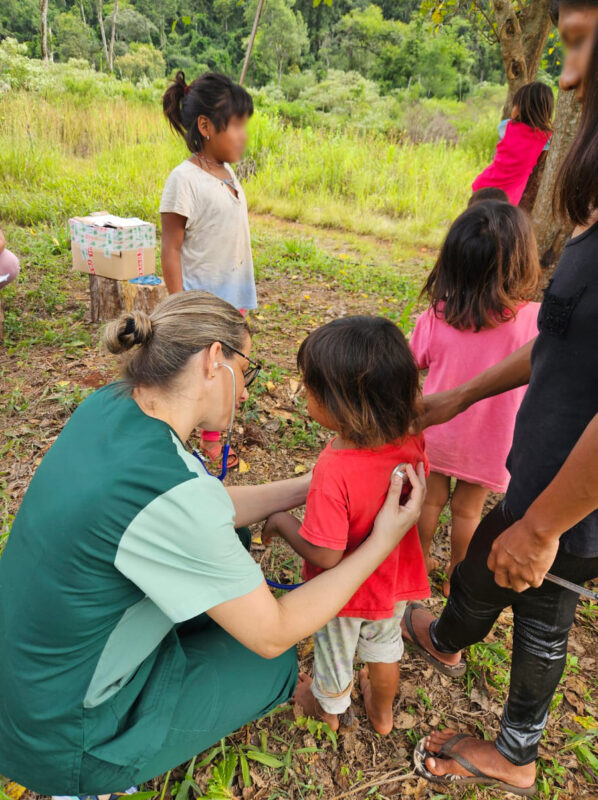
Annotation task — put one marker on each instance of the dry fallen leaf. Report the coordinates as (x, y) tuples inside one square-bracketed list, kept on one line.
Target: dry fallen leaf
[(14, 790), (404, 721), (244, 467), (300, 469), (270, 386)]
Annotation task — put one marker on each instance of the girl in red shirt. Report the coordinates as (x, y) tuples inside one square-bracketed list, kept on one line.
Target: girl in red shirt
[(362, 382), (526, 135)]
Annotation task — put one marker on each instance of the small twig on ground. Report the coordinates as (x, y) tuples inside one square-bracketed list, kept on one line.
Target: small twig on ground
[(382, 780)]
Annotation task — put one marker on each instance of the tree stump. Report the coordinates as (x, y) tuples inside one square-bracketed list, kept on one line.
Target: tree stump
[(110, 298)]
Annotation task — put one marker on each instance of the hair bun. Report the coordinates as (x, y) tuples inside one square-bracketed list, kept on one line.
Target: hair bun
[(130, 329)]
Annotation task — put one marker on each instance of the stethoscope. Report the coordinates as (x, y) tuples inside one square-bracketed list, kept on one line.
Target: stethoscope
[(226, 447), (224, 470)]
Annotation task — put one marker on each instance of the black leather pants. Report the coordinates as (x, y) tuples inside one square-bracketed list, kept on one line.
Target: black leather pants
[(542, 620)]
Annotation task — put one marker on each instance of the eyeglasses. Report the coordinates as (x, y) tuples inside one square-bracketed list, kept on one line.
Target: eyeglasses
[(249, 375)]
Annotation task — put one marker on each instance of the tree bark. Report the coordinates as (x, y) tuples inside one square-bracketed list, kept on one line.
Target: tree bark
[(551, 232), (535, 25), (522, 38), (112, 37), (533, 184), (510, 37), (109, 298), (103, 31), (256, 20), (43, 7)]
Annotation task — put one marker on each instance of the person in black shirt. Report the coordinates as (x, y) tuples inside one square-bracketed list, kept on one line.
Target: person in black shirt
[(548, 520)]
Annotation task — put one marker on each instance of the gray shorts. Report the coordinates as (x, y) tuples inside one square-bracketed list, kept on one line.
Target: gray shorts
[(335, 646)]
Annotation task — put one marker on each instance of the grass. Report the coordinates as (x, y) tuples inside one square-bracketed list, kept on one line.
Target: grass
[(65, 157)]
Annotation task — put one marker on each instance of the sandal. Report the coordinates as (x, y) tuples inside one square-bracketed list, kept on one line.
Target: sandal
[(213, 453), (452, 670), (420, 754)]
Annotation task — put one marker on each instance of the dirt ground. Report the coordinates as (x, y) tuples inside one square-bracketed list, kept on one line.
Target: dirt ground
[(42, 385)]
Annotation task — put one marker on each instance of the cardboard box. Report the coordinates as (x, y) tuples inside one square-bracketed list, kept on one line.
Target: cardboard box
[(113, 247)]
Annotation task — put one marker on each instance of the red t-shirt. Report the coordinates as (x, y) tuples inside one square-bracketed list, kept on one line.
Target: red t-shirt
[(347, 490)]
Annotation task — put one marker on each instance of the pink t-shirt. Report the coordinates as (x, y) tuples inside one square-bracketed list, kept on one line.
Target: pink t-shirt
[(474, 445), (516, 156)]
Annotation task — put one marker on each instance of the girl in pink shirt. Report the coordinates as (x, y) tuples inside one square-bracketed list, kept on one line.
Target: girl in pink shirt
[(479, 292), (526, 135)]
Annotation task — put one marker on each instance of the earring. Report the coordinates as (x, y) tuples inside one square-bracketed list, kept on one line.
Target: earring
[(208, 137)]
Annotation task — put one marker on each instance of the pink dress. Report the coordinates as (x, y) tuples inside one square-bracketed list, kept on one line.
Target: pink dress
[(474, 445), (516, 156)]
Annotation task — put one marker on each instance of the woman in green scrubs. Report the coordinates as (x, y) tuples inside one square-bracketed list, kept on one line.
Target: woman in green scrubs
[(135, 627)]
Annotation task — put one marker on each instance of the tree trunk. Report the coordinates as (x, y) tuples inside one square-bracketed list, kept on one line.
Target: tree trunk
[(551, 233), (103, 31), (112, 36), (510, 37), (109, 298), (522, 38), (256, 20), (43, 7), (533, 184), (536, 25)]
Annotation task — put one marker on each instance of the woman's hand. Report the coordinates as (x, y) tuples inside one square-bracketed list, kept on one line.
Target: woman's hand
[(520, 558), (441, 407), (395, 519)]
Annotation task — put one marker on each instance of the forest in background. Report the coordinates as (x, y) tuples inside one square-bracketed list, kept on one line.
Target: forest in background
[(392, 43)]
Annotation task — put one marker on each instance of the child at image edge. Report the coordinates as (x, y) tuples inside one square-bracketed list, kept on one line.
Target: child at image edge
[(205, 224), (362, 382), (479, 292)]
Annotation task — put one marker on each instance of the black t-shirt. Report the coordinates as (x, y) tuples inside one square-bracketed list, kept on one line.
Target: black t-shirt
[(562, 397)]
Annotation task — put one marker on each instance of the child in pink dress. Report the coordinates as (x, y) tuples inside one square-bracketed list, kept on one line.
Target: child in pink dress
[(526, 135), (479, 292)]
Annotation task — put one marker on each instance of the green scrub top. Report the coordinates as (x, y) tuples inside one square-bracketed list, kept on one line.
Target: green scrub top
[(122, 536)]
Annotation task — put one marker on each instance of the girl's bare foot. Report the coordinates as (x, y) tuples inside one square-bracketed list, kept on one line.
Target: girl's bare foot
[(380, 716), (303, 696), (432, 564)]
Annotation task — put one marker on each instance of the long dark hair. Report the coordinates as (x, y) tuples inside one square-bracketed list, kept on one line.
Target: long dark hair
[(535, 102), (363, 372), (576, 193), (212, 95), (487, 266)]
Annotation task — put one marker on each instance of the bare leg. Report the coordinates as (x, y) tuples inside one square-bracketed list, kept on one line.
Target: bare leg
[(437, 495), (303, 696), (379, 685), (467, 504)]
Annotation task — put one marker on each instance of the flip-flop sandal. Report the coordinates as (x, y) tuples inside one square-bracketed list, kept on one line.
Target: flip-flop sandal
[(213, 453), (420, 754), (452, 670)]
